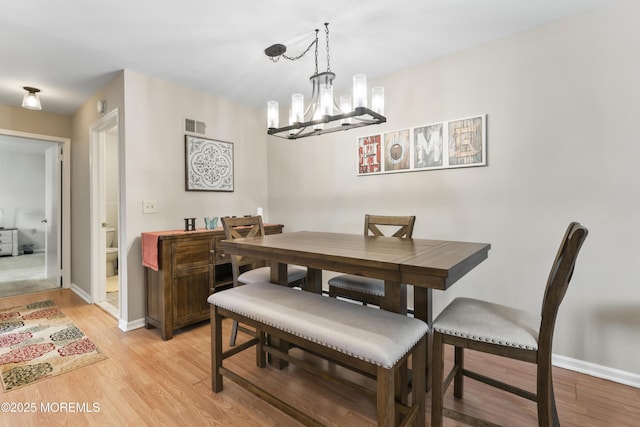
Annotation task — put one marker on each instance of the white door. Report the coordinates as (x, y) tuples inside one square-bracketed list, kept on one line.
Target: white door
[(51, 221), (103, 132)]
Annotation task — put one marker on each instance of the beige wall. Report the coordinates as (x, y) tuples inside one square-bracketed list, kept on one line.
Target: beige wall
[(562, 106), (154, 167), (151, 117), (22, 120), (83, 118)]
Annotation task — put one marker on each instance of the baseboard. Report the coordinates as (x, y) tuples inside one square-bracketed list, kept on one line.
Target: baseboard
[(598, 371), (81, 293), (122, 324), (130, 326)]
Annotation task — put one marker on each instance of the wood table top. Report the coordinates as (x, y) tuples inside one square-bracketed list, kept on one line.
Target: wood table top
[(422, 262)]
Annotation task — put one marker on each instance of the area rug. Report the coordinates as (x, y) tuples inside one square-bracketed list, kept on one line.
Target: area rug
[(39, 341)]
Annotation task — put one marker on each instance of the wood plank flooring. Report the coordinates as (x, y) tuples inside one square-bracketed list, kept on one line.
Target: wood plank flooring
[(149, 382)]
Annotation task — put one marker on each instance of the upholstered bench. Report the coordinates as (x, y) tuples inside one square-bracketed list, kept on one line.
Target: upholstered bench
[(373, 342)]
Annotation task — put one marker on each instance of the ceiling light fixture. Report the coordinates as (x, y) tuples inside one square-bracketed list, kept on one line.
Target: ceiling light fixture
[(322, 114), (31, 99)]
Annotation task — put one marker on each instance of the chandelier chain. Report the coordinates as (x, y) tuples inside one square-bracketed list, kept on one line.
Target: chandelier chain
[(295, 58), (316, 51), (326, 30)]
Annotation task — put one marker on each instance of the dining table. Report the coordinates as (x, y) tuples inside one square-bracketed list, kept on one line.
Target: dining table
[(424, 263)]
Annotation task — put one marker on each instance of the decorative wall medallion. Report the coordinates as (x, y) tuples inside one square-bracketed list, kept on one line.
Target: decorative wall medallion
[(208, 164)]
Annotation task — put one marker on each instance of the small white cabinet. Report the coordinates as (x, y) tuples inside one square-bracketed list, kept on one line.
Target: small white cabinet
[(9, 241)]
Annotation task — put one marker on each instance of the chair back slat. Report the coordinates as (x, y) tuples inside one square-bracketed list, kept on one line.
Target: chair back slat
[(559, 279), (235, 228), (404, 225)]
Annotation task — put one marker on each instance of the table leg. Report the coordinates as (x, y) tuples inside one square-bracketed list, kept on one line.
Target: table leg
[(279, 273), (395, 297), (423, 310), (314, 281)]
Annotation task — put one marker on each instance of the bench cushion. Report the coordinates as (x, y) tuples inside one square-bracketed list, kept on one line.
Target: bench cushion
[(263, 274), (366, 285), (376, 336)]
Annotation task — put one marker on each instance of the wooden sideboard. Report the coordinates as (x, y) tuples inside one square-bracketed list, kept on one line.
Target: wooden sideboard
[(191, 266)]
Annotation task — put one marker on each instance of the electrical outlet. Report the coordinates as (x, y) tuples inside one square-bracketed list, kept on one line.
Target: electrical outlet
[(149, 206)]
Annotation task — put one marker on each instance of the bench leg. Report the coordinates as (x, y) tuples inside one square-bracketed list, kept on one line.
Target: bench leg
[(437, 388), (418, 381), (216, 349), (386, 397)]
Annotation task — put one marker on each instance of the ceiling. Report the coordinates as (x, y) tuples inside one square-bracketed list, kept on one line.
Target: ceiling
[(71, 48)]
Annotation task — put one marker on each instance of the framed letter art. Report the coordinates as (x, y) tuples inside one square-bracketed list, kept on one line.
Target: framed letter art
[(467, 142), (396, 150), (369, 154), (448, 144), (208, 164)]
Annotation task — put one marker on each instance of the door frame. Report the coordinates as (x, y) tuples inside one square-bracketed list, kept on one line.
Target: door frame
[(98, 132), (64, 220)]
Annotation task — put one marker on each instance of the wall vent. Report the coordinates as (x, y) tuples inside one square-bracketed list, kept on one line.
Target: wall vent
[(194, 126)]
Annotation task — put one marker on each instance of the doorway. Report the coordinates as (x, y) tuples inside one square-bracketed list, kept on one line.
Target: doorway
[(34, 216), (106, 227)]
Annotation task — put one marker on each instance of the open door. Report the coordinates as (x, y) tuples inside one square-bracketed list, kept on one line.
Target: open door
[(51, 221), (106, 283)]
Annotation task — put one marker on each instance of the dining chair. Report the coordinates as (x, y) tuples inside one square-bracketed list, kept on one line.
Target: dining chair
[(251, 270), (365, 289), (508, 332)]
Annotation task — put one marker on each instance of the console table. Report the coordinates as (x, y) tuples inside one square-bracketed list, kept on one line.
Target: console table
[(191, 265)]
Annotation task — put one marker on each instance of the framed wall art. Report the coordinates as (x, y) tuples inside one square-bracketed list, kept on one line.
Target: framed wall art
[(396, 150), (208, 164), (369, 154), (467, 143), (428, 146), (446, 145)]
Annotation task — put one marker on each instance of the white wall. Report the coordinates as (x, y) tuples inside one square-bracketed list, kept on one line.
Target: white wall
[(562, 103)]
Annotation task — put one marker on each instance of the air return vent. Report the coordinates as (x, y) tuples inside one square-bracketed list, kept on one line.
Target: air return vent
[(194, 126)]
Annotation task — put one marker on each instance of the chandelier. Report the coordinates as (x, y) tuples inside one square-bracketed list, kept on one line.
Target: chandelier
[(322, 114)]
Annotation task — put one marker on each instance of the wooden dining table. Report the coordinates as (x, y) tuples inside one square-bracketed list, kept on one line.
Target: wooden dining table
[(425, 264)]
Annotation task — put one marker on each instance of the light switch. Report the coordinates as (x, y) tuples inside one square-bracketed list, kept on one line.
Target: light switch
[(149, 207)]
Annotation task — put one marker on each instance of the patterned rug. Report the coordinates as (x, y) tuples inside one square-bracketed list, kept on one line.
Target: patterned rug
[(39, 341)]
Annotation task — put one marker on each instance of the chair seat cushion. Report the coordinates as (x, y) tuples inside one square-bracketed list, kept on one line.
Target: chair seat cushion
[(361, 284), (494, 323), (263, 274), (376, 336)]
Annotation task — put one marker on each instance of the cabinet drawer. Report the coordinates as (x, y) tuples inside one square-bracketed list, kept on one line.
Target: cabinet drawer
[(6, 236), (6, 248), (191, 254)]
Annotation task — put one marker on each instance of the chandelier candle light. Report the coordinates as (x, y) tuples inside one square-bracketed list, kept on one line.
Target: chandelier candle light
[(322, 114)]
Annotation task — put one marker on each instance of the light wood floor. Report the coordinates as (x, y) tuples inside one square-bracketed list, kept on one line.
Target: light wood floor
[(149, 382)]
